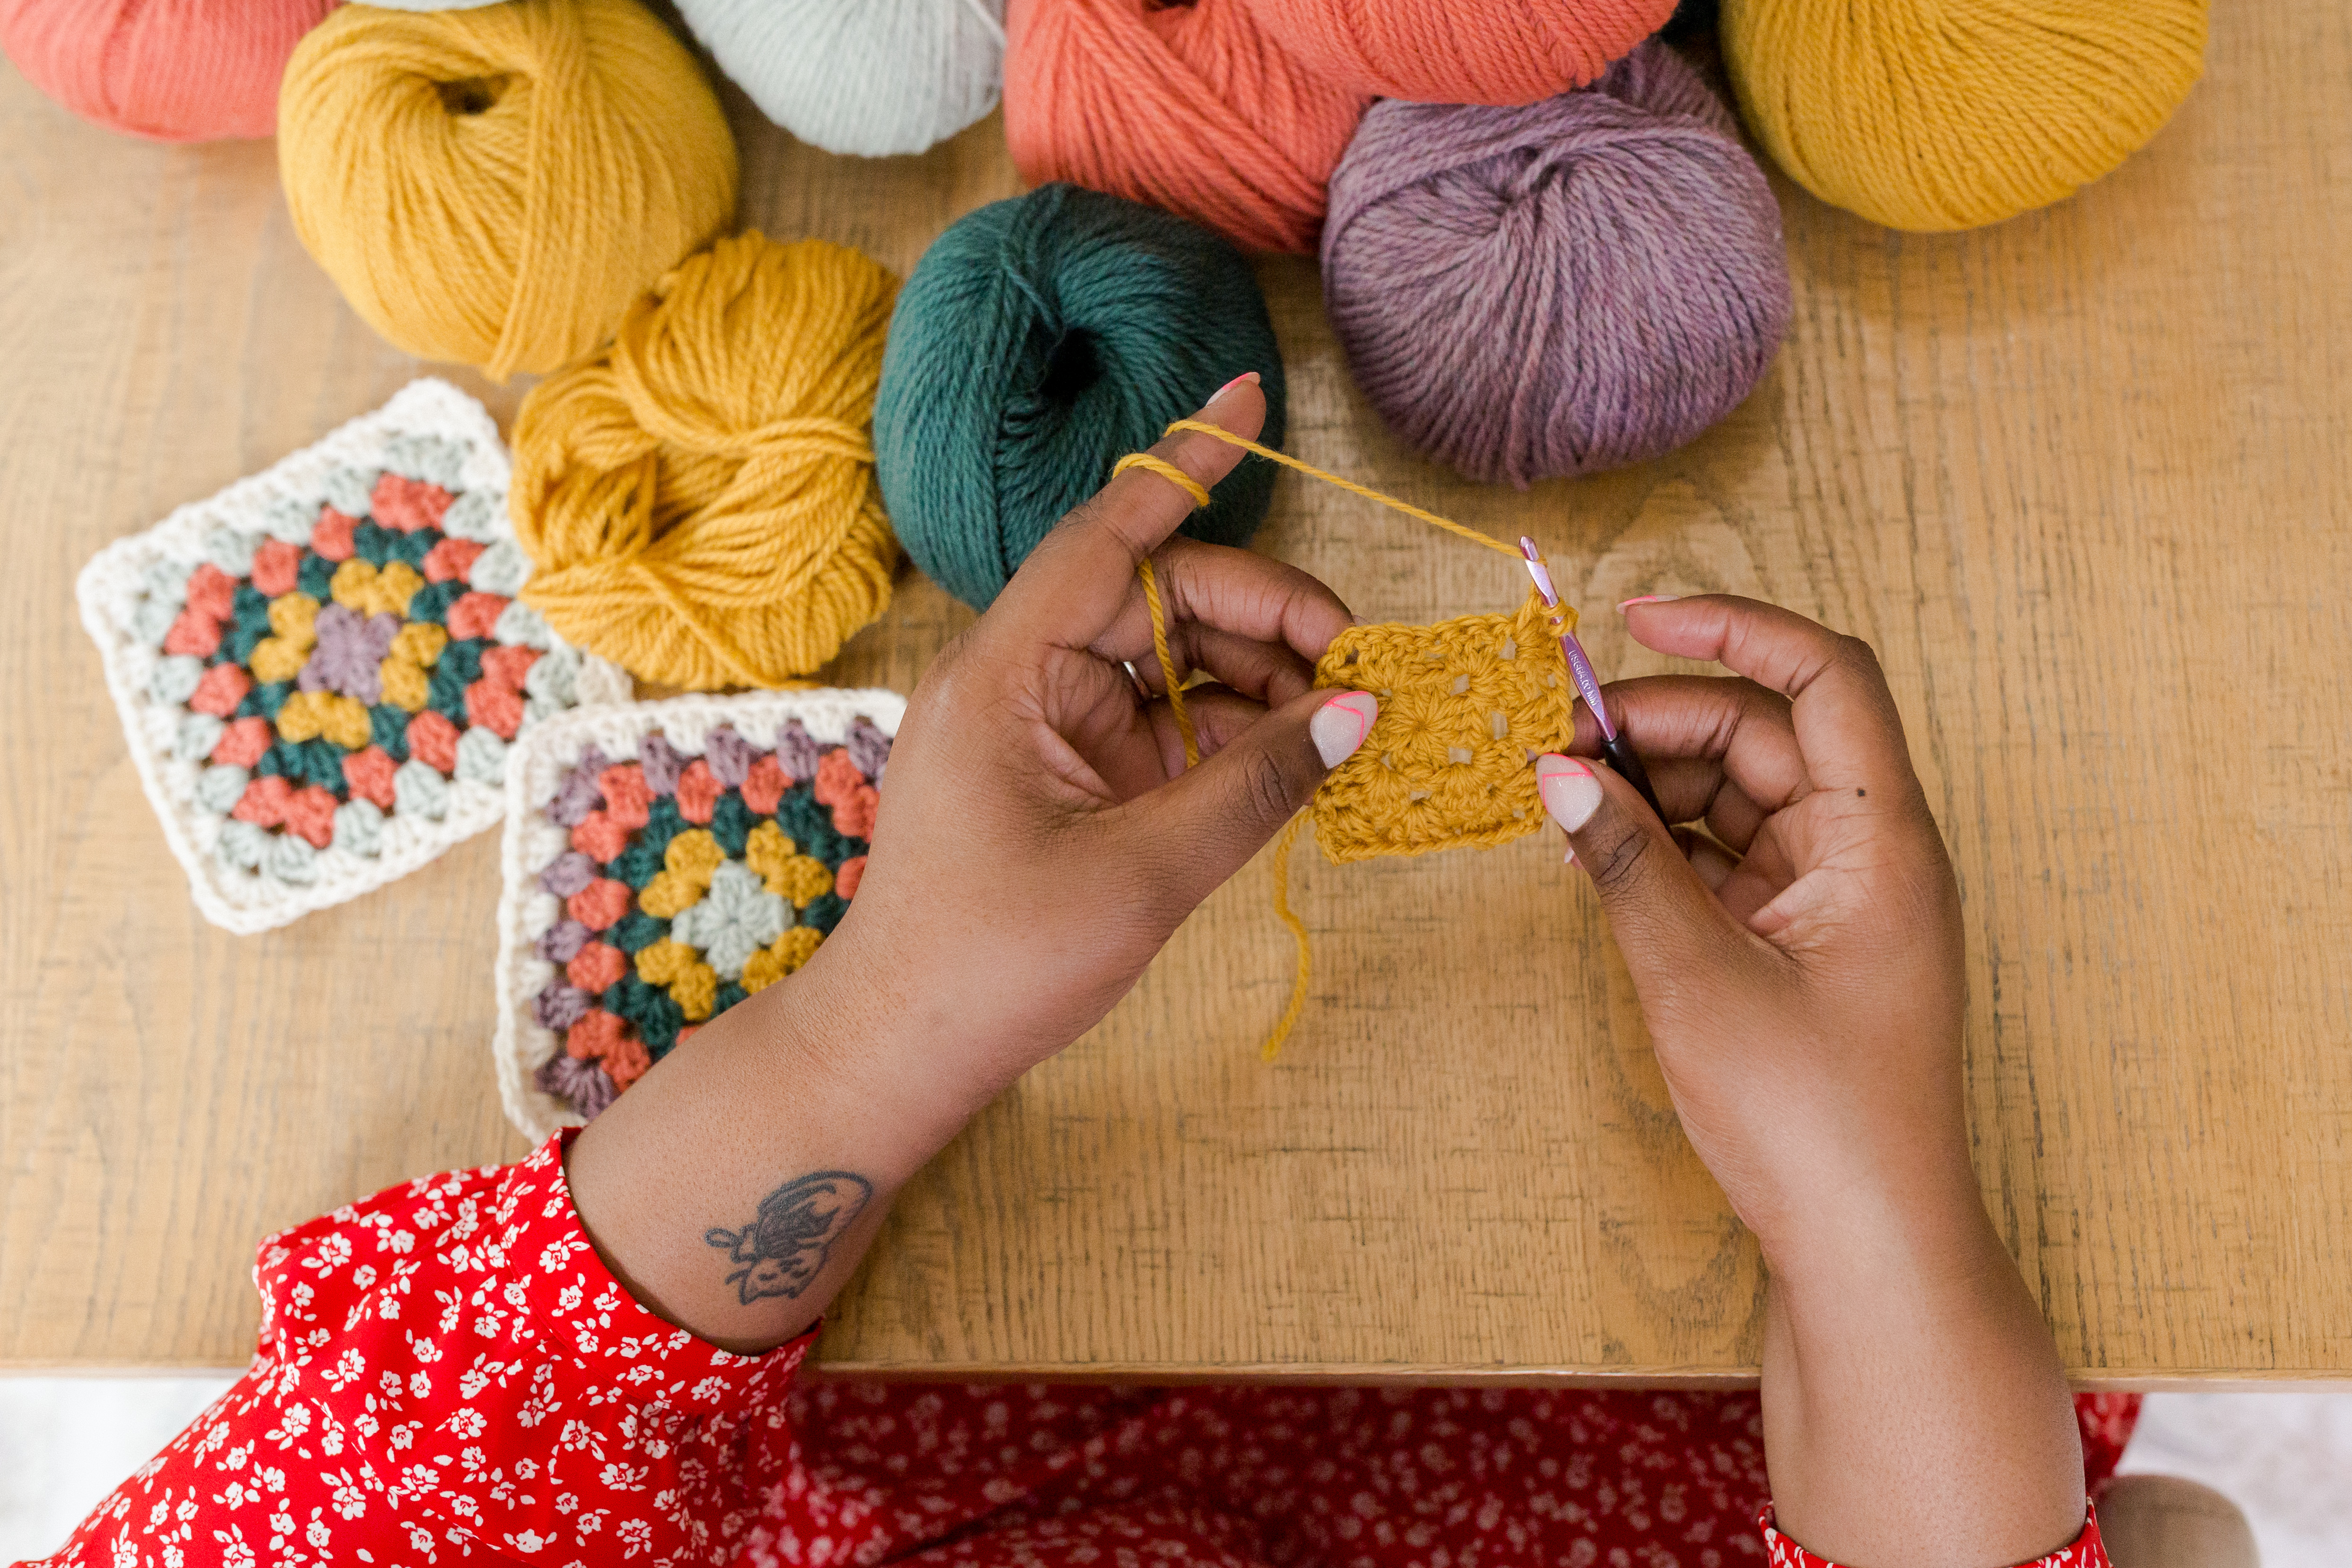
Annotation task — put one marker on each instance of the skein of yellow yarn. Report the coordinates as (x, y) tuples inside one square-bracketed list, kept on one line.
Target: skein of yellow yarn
[(494, 186), (699, 499), (1951, 114)]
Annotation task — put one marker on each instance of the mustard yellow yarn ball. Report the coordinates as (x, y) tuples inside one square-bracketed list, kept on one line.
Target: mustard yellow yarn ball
[(699, 499), (494, 186), (1951, 114)]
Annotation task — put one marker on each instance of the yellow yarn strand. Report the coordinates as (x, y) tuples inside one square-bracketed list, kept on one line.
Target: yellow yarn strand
[(1305, 971), (1448, 764), (1168, 662), (699, 499), (1407, 508)]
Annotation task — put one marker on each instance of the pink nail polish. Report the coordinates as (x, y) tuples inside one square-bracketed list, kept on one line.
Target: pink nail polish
[(1249, 376), (1569, 791), (1625, 604), (1340, 725)]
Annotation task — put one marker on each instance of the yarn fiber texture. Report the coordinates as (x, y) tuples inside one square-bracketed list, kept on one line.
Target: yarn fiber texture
[(1197, 110), (865, 77), (1461, 51), (173, 70), (493, 186), (698, 497), (1951, 114), (1038, 339), (1572, 285)]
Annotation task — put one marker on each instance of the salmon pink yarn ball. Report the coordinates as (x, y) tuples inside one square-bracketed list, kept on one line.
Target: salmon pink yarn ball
[(1461, 51), (174, 70), (1195, 109), (1571, 285)]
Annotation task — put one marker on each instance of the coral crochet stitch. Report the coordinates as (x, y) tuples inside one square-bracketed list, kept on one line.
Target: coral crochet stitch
[(319, 670), (663, 862)]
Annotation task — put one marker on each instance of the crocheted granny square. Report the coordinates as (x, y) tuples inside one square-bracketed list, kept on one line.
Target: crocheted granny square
[(319, 669), (663, 861), (1467, 706)]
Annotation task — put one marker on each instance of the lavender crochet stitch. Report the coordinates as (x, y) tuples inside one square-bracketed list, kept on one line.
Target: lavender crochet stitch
[(1567, 286)]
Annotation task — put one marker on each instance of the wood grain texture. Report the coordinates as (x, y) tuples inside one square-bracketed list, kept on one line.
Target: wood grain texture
[(2082, 479)]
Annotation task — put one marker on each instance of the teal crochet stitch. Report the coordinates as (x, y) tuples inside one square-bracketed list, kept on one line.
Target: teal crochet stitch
[(1040, 339)]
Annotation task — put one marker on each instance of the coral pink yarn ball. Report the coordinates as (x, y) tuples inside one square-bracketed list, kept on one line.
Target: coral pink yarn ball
[(175, 70), (1194, 110), (1461, 51)]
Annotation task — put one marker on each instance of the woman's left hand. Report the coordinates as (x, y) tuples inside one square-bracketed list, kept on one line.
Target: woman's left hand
[(1039, 840), (1040, 837)]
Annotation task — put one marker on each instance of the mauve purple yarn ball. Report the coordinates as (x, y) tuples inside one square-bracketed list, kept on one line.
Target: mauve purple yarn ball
[(1571, 285)]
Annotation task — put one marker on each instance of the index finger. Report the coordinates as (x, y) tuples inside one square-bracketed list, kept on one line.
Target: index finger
[(1074, 584), (1848, 728)]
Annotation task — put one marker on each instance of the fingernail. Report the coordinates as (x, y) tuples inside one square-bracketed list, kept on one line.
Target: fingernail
[(1625, 604), (1249, 376), (1340, 725), (1571, 793)]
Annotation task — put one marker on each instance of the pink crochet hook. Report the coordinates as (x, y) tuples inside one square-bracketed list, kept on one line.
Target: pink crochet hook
[(1619, 751)]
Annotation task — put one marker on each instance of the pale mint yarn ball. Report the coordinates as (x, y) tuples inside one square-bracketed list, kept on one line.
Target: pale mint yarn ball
[(866, 76)]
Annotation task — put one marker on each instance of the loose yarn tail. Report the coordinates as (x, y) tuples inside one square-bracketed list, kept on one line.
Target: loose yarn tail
[(1282, 848)]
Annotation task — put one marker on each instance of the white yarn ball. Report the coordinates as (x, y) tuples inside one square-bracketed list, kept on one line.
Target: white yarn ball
[(868, 77)]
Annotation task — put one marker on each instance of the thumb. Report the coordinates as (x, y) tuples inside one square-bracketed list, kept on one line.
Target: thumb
[(1202, 826), (1672, 931)]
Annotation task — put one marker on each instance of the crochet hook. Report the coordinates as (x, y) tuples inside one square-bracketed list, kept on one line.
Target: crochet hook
[(1613, 745)]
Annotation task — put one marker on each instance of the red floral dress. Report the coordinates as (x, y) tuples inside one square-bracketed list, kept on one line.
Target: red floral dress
[(447, 1371)]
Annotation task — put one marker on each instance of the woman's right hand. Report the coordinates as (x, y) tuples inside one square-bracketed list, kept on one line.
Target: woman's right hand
[(1800, 974), (1803, 990)]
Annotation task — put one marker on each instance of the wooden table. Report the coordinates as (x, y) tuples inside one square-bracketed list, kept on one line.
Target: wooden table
[(2085, 479)]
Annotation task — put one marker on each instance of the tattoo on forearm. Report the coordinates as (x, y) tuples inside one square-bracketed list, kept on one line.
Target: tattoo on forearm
[(783, 1250)]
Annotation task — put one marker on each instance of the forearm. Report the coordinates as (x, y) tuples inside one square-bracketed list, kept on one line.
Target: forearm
[(734, 1190), (1912, 1394)]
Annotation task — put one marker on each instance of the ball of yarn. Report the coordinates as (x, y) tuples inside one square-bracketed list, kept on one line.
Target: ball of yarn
[(1461, 51), (1040, 340), (1561, 287), (1948, 114), (176, 70), (698, 499), (1193, 108), (865, 76), (493, 186)]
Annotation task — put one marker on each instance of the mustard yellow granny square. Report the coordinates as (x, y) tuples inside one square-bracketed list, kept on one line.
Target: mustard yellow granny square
[(1466, 705)]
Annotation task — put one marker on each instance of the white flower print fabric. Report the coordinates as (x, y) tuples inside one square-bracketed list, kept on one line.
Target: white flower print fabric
[(447, 1373)]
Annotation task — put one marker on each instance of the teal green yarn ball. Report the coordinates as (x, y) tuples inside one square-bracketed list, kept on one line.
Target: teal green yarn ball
[(1040, 340)]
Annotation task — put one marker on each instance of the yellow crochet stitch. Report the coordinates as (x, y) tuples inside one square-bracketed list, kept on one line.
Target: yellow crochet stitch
[(781, 957), (294, 617), (789, 874), (306, 715), (688, 863), (693, 983), (360, 588), (1465, 707)]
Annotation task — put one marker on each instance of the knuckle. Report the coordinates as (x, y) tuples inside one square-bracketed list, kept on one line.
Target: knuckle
[(1269, 792), (1858, 655), (1620, 866)]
